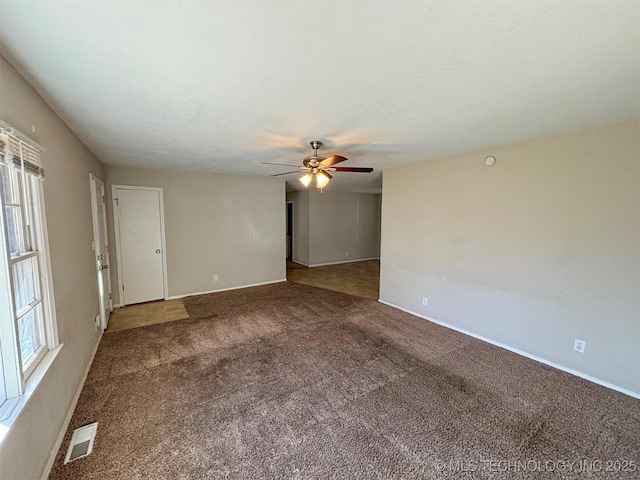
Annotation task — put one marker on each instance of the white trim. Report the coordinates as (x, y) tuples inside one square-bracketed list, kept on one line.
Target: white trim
[(340, 262), (117, 305), (49, 301), (15, 379), (164, 246), (11, 374), (116, 225), (104, 300), (577, 373), (300, 263), (67, 419), (173, 297), (116, 234)]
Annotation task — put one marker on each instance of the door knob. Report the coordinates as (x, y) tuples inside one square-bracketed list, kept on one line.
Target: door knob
[(158, 250)]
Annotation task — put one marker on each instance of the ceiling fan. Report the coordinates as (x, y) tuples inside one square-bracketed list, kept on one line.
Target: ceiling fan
[(319, 167)]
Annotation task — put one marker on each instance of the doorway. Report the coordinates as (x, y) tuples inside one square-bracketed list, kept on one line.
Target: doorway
[(101, 248), (138, 217), (289, 231)]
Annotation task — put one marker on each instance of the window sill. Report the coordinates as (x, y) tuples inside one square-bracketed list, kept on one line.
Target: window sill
[(12, 408)]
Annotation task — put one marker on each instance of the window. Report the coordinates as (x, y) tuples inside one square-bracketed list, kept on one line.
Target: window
[(27, 320)]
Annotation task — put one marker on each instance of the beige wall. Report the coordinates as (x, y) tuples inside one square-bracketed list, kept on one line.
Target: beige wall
[(25, 450), (539, 249), (225, 225), (342, 222)]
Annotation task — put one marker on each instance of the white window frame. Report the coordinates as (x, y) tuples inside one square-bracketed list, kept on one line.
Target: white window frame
[(19, 383)]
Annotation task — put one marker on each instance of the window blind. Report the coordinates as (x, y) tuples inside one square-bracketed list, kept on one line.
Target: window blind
[(19, 151)]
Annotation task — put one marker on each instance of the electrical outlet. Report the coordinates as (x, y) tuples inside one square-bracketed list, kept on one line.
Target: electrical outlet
[(346, 254), (579, 345), (215, 278), (97, 322), (425, 301)]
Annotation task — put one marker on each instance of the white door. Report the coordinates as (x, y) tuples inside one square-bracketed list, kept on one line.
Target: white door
[(101, 248), (140, 233)]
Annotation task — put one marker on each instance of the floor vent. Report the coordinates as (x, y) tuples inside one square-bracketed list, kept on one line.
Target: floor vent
[(81, 442)]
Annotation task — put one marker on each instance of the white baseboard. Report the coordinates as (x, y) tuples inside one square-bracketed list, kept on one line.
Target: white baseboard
[(342, 261), (174, 297), (67, 419), (577, 373), (117, 305)]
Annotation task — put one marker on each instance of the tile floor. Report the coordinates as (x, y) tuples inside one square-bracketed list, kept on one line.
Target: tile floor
[(358, 278), (148, 313)]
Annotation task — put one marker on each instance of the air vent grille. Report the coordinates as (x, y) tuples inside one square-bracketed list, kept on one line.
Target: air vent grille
[(81, 442)]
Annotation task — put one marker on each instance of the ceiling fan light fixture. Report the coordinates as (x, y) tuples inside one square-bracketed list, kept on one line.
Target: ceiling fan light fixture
[(321, 180), (306, 179), (319, 167)]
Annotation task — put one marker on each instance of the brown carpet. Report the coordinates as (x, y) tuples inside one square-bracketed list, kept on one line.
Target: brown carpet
[(291, 381)]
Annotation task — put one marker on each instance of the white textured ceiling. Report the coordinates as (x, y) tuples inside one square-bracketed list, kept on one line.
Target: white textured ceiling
[(223, 86)]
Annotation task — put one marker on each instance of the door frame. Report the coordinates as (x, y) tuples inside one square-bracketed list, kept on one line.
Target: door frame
[(93, 184), (116, 224)]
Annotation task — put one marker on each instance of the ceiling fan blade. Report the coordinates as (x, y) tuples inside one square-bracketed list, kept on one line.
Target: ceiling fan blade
[(326, 173), (283, 164), (353, 169), (332, 160), (285, 173)]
